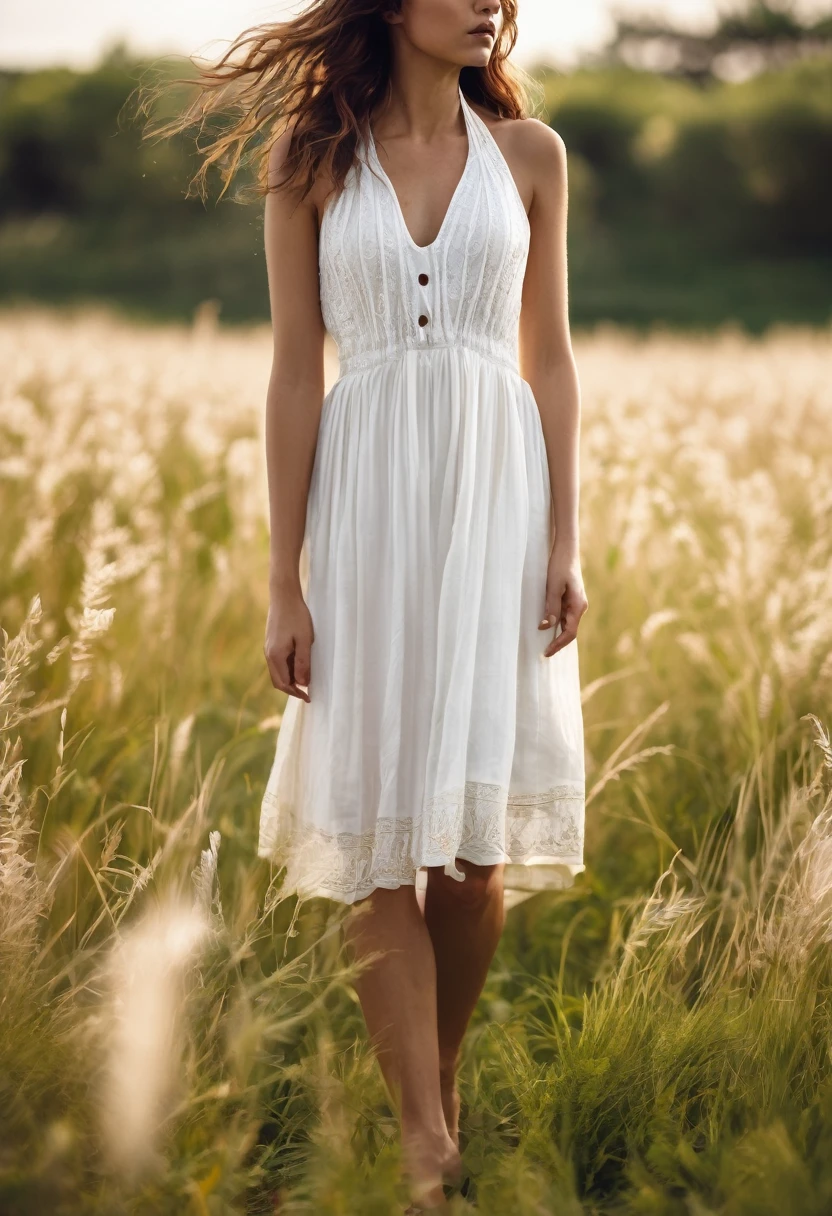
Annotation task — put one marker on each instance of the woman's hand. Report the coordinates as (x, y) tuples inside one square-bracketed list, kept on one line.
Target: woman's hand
[(566, 600), (288, 645)]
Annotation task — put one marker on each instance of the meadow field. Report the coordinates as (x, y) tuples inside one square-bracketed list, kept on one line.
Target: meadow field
[(176, 1037)]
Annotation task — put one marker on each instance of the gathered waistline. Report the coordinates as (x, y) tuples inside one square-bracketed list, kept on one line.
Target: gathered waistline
[(351, 366)]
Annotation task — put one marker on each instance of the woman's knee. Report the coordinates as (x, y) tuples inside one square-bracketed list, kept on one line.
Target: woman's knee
[(480, 885), (388, 905)]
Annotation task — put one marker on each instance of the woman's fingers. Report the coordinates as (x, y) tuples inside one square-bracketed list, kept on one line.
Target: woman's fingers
[(551, 612), (567, 635), (573, 606), (299, 674), (288, 645), (301, 668), (282, 670)]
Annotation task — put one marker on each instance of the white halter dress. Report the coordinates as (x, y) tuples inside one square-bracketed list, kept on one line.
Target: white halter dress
[(436, 728)]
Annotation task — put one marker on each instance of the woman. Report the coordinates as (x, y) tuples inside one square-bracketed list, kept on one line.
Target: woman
[(425, 575)]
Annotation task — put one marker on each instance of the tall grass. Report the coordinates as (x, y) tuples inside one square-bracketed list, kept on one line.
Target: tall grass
[(175, 1036)]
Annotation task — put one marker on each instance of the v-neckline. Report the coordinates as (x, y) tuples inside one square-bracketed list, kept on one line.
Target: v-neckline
[(468, 160)]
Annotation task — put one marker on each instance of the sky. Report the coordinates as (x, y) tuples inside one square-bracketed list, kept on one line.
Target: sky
[(56, 32)]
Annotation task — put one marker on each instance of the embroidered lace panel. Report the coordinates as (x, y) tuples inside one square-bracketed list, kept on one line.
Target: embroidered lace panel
[(482, 824)]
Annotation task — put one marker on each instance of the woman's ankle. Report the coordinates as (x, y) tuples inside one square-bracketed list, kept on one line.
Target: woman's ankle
[(429, 1135), (430, 1161)]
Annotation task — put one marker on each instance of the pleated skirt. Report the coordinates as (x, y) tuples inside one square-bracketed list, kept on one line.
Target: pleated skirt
[(436, 729)]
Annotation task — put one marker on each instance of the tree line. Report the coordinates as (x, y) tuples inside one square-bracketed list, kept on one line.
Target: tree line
[(693, 199)]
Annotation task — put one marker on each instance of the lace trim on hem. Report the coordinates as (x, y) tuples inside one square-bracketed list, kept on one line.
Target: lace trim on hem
[(483, 824), (560, 875)]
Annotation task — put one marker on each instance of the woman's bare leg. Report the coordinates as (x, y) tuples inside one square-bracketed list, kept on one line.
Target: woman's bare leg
[(465, 921), (398, 998)]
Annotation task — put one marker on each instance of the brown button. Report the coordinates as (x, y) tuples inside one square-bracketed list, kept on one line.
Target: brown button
[(423, 279), (423, 320)]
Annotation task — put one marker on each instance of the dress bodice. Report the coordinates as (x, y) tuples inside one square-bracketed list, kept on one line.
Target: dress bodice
[(382, 294)]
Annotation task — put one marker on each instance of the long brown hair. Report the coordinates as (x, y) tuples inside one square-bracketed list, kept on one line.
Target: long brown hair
[(325, 70)]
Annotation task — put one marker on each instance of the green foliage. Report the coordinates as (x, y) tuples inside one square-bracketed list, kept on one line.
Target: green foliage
[(671, 171), (91, 210)]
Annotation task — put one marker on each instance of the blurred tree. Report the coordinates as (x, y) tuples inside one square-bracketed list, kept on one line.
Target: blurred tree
[(763, 34), (687, 204)]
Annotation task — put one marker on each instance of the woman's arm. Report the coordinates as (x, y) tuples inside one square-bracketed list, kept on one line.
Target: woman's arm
[(548, 363), (293, 410)]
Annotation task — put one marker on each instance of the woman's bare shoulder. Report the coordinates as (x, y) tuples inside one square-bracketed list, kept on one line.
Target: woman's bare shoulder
[(322, 186), (534, 151)]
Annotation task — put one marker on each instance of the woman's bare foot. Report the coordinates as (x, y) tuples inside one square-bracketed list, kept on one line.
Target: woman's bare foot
[(429, 1162)]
